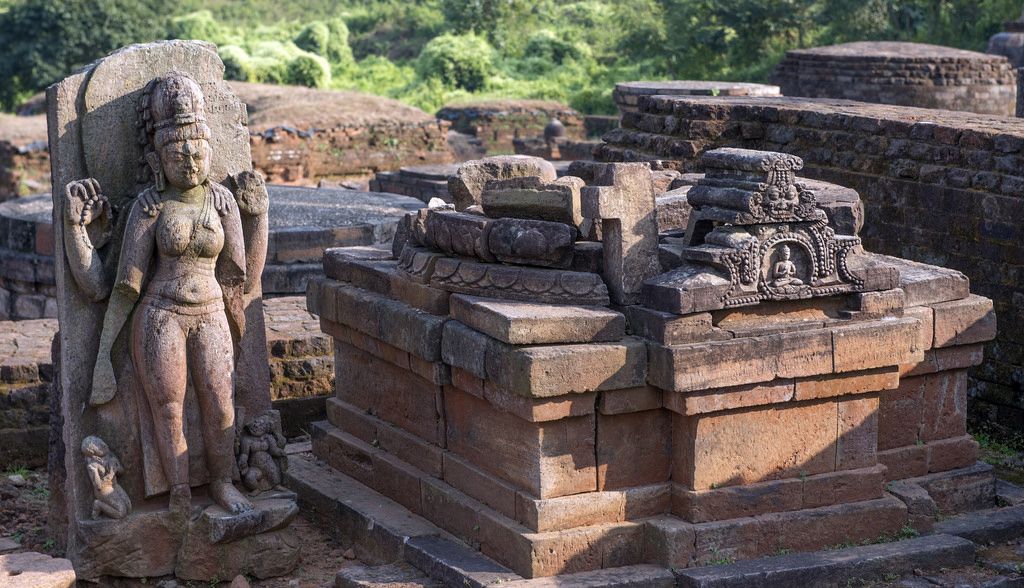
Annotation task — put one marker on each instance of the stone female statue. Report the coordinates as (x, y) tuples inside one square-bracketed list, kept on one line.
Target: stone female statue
[(181, 267)]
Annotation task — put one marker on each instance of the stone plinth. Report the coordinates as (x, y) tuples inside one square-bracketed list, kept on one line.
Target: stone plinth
[(24, 159), (35, 570), (497, 122), (557, 434), (303, 222), (905, 74), (302, 135), (627, 95)]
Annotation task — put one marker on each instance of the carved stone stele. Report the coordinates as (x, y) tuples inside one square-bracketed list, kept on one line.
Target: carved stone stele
[(755, 234), (160, 236)]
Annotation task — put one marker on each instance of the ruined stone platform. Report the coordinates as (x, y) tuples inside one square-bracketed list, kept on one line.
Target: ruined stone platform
[(422, 182), (905, 74), (301, 371), (627, 94), (303, 222), (565, 405)]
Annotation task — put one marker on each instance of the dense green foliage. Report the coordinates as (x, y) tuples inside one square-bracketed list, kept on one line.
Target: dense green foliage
[(429, 52)]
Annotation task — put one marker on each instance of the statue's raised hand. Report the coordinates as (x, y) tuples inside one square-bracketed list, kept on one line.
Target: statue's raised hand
[(86, 203), (251, 193)]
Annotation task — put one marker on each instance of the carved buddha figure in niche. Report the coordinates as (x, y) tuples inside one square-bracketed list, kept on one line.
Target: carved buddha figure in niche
[(784, 270), (182, 259)]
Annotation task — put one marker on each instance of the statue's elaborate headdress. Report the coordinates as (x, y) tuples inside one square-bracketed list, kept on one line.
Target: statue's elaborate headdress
[(172, 109)]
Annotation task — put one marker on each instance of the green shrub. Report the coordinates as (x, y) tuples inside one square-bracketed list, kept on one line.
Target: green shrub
[(310, 70), (329, 40), (458, 61), (45, 40), (237, 63), (545, 44), (196, 25)]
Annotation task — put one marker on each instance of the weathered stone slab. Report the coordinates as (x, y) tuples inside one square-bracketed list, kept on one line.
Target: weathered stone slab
[(532, 242), (527, 323), (965, 321), (469, 181), (455, 564), (987, 526), (417, 264), (35, 570), (784, 495), (928, 284), (633, 449), (732, 397), (671, 329), (866, 563), (395, 575), (518, 283), (532, 198), (369, 268)]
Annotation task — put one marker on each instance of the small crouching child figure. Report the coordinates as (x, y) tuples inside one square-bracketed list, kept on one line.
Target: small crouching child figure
[(261, 455), (103, 466)]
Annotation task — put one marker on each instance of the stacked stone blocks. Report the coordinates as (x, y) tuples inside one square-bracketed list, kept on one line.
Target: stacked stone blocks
[(560, 433)]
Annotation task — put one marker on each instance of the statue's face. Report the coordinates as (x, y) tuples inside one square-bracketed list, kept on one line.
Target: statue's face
[(186, 164)]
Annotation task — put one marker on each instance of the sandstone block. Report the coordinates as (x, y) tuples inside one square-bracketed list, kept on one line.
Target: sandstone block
[(388, 392), (804, 441), (539, 410), (421, 296), (729, 398), (392, 322), (633, 449), (369, 268), (468, 183), (950, 454), (532, 242), (857, 436), (886, 342), (532, 198), (887, 378), (667, 328), (394, 440), (904, 462), (474, 482), (629, 400), (545, 371), (545, 459), (736, 362), (527, 323), (567, 512), (926, 315), (962, 322), (417, 264), (585, 548), (944, 405), (928, 284), (35, 570)]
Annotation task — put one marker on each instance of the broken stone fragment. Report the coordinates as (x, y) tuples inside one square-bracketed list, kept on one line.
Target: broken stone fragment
[(468, 183), (533, 198), (532, 242)]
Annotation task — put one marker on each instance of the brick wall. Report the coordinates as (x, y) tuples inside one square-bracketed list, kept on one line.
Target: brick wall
[(946, 190), (906, 74)]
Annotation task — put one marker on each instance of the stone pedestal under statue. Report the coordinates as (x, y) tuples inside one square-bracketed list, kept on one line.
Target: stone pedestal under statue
[(166, 457), (541, 376)]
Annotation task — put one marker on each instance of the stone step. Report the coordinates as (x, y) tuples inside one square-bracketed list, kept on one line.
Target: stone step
[(830, 568), (986, 526), (395, 575)]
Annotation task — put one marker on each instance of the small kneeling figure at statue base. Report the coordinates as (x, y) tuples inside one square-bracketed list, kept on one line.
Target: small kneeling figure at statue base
[(260, 450), (103, 466)]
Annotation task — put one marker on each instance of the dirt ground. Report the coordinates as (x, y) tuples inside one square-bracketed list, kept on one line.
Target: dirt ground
[(23, 519)]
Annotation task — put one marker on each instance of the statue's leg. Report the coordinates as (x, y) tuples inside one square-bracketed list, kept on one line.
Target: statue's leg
[(211, 361), (158, 355)]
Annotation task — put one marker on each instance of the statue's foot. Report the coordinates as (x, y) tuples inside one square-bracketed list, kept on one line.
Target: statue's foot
[(229, 498), (181, 499)]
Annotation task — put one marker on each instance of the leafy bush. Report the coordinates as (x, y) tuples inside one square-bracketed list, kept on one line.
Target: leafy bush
[(458, 61), (545, 44), (45, 40), (309, 70), (328, 40), (195, 25)]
